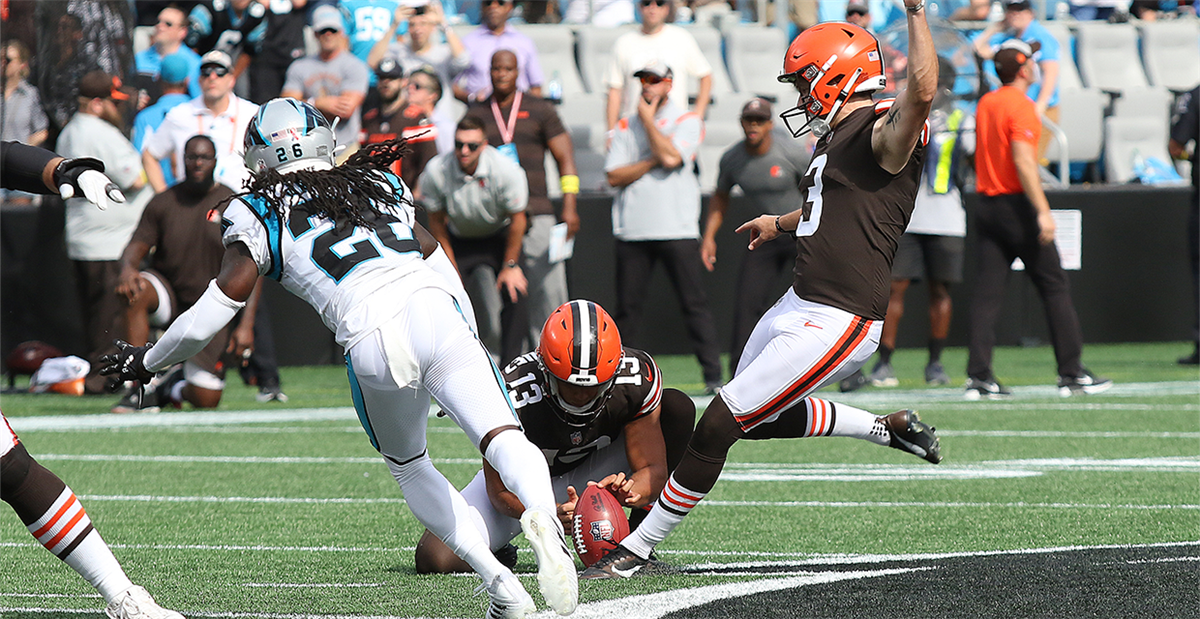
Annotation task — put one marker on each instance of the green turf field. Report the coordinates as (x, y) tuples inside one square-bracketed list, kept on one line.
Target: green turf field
[(226, 514)]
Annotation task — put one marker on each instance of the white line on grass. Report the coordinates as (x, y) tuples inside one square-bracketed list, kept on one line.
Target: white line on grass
[(58, 612), (314, 585)]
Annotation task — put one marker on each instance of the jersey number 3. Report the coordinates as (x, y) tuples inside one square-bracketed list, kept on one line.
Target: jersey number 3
[(813, 203)]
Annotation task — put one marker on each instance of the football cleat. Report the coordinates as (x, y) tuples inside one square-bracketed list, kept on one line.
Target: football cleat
[(271, 394), (616, 563), (909, 433), (1087, 383), (990, 389), (935, 374), (509, 600), (883, 375), (506, 555), (136, 603), (556, 564), (137, 399)]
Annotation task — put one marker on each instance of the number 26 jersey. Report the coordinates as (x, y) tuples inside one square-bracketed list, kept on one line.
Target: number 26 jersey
[(355, 277), (637, 391)]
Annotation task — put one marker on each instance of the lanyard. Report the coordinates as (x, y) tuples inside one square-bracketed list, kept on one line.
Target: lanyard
[(507, 131), (213, 125)]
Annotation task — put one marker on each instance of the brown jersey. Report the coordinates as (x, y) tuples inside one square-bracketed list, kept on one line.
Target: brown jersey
[(853, 214), (636, 392), (185, 232), (409, 123)]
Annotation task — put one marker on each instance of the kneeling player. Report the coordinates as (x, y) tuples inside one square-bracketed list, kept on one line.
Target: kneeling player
[(599, 413)]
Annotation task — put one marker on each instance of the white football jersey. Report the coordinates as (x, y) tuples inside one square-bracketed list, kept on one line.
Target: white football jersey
[(356, 278)]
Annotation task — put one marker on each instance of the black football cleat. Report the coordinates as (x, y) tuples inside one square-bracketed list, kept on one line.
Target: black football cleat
[(616, 563), (909, 433)]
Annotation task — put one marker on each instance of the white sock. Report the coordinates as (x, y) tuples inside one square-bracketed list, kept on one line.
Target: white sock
[(669, 510), (852, 422), (66, 530), (523, 468), (438, 506)]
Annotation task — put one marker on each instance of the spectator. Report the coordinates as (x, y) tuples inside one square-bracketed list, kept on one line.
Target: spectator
[(524, 127), (859, 14), (932, 245), (22, 118), (170, 31), (61, 69), (657, 40), (424, 93), (334, 81), (1087, 10), (218, 113), (174, 86), (282, 43), (1014, 221), (1185, 129), (369, 21), (769, 172), (475, 84), (447, 59), (387, 115), (231, 26), (180, 230), (656, 213), (603, 13), (975, 10), (1019, 23), (476, 199), (94, 237)]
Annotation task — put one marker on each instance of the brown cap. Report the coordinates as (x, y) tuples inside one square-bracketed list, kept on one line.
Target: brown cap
[(757, 108), (1013, 55), (100, 85)]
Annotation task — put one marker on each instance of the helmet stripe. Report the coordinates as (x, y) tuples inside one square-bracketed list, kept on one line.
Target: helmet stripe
[(583, 323)]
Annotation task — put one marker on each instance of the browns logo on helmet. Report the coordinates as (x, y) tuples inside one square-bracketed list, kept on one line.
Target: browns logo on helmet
[(827, 64), (580, 350)]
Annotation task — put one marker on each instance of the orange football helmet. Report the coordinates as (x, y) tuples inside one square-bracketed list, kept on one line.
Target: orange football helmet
[(827, 63), (580, 346)]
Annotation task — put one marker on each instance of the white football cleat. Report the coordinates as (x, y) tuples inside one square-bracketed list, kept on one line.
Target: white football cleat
[(509, 598), (556, 566), (136, 603)]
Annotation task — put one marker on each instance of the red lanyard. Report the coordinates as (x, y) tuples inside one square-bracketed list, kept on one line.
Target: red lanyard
[(507, 131)]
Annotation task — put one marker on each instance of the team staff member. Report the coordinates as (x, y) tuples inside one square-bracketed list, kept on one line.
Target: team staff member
[(1013, 221), (769, 172), (1185, 128), (859, 194), (46, 506), (598, 412)]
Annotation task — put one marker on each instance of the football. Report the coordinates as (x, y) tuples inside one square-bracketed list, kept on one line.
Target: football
[(598, 525), (27, 357)]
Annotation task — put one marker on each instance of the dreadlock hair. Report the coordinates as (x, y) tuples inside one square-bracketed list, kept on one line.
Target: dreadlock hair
[(351, 194)]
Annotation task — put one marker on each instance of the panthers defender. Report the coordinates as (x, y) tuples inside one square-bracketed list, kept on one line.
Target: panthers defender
[(859, 194), (46, 506), (345, 239), (597, 411)]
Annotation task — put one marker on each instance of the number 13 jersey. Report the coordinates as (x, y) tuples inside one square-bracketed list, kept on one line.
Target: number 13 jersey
[(355, 277), (854, 211)]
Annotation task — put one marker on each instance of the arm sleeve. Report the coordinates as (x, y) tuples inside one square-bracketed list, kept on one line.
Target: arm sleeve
[(191, 332), (623, 151), (1023, 125), (21, 167)]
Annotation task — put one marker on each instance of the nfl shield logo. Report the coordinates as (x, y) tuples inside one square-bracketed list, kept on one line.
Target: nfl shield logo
[(576, 438)]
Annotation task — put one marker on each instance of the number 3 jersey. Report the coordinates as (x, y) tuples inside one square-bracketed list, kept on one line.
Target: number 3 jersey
[(355, 277), (854, 211), (637, 391)]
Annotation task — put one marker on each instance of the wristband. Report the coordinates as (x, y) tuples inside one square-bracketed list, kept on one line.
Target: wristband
[(779, 227), (915, 9), (569, 183)]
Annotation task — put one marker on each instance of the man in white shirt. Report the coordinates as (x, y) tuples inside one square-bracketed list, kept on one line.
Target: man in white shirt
[(96, 237), (218, 113), (657, 40)]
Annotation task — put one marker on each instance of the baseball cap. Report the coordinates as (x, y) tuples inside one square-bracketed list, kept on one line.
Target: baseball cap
[(327, 17), (100, 85), (389, 69), (857, 8), (1017, 5), (218, 58), (757, 108), (174, 69), (657, 68), (1012, 55)]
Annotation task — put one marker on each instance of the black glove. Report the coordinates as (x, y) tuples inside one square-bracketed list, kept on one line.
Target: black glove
[(126, 364), (69, 173)]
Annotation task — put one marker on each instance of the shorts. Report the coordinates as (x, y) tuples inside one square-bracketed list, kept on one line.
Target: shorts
[(929, 256), (205, 370)]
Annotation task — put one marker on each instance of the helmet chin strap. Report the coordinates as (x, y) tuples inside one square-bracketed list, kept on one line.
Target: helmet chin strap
[(821, 126)]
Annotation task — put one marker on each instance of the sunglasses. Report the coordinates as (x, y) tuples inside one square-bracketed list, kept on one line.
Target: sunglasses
[(199, 158), (491, 2), (167, 23), (324, 31), (415, 86), (655, 2), (210, 71), (471, 146), (651, 79)]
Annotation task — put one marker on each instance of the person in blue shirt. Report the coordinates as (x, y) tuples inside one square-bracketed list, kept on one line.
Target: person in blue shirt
[(167, 40), (174, 80), (1019, 23), (368, 21)]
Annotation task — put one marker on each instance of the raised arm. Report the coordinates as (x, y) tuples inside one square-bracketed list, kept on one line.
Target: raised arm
[(897, 131)]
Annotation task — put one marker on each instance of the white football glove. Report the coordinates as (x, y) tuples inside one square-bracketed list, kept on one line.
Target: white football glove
[(86, 176)]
